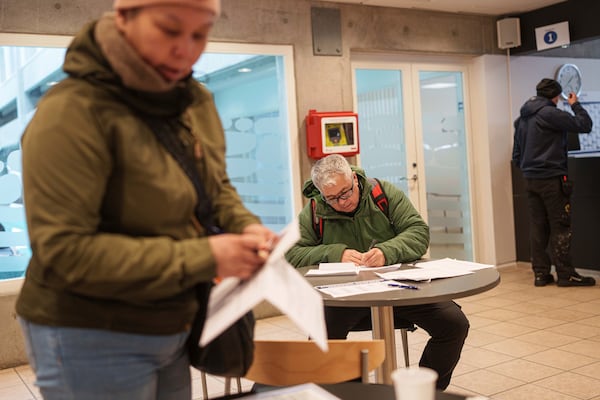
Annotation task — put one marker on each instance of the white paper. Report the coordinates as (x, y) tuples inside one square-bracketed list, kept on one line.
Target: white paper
[(436, 269), (336, 269), (357, 287), (307, 391), (451, 263), (279, 284), (392, 267), (333, 269)]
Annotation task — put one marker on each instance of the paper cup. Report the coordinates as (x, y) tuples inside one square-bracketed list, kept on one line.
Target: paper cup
[(414, 383)]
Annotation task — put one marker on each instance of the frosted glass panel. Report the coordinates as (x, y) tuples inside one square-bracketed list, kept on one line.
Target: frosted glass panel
[(249, 91), (381, 125), (443, 122)]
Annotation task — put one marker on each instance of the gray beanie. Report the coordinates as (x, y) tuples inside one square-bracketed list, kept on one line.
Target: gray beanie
[(548, 88)]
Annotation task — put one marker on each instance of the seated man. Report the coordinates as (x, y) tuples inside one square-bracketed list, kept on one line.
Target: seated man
[(354, 229)]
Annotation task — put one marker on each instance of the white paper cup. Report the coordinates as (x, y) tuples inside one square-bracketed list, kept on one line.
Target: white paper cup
[(414, 383)]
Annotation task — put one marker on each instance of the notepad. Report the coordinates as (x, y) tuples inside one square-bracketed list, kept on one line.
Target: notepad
[(332, 269)]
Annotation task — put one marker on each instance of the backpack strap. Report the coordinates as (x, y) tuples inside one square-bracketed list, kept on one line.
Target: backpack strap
[(377, 194), (317, 222), (379, 197)]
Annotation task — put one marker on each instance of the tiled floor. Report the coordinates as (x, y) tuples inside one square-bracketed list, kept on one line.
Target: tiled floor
[(525, 343)]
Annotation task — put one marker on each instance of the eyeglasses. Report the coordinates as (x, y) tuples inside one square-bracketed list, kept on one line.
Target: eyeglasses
[(345, 195)]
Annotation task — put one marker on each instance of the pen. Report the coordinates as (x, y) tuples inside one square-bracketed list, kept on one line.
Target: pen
[(403, 286), (373, 243)]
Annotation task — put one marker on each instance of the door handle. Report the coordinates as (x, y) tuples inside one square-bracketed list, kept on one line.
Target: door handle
[(412, 178)]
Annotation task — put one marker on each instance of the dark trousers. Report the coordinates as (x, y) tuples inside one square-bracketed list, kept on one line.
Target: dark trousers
[(550, 225), (445, 323)]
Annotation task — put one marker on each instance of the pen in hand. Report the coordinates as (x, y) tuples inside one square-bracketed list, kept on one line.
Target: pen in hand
[(373, 243)]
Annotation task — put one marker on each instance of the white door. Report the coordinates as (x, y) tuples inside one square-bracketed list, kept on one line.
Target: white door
[(413, 133)]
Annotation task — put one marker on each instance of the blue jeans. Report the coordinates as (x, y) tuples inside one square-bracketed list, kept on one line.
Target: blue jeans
[(93, 364)]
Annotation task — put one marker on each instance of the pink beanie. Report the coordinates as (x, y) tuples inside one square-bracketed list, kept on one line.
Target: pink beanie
[(211, 5)]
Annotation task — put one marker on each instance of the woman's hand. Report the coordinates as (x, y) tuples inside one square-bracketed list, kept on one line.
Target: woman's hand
[(269, 238), (237, 255)]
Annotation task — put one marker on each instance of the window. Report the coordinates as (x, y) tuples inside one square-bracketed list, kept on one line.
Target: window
[(254, 93)]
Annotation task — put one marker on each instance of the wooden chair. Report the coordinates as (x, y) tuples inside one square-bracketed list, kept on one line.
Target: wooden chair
[(290, 362)]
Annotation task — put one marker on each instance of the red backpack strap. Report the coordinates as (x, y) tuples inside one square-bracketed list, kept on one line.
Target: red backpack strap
[(379, 197), (317, 222)]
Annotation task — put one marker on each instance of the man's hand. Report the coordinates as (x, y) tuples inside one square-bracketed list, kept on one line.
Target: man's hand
[(373, 258), (352, 256), (572, 99)]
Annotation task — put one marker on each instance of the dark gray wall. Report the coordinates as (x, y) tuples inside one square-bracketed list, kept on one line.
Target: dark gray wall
[(363, 28)]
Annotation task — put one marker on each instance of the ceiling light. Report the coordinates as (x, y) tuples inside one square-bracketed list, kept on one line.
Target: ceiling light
[(438, 85)]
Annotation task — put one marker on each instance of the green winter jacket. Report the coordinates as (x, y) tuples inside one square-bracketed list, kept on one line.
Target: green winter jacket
[(402, 237), (109, 211)]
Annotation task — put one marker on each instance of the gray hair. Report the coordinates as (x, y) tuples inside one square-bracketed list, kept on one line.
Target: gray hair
[(326, 170)]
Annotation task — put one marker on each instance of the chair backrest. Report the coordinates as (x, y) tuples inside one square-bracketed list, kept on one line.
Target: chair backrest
[(281, 363)]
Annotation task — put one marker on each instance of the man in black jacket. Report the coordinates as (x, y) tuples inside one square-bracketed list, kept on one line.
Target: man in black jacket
[(540, 151)]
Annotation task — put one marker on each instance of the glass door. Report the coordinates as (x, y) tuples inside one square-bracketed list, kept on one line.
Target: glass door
[(413, 126)]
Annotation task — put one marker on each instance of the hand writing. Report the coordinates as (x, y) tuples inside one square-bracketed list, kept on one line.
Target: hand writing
[(373, 258)]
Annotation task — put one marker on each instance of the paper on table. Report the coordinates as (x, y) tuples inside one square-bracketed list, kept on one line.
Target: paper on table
[(279, 284), (332, 269), (454, 264), (354, 288), (421, 274), (444, 268), (392, 267)]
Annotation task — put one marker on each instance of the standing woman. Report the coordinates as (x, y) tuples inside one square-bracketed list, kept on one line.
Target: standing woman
[(109, 296)]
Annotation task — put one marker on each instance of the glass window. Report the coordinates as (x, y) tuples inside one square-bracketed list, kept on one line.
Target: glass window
[(253, 91)]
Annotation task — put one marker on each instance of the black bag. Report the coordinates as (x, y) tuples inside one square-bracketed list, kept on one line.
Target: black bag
[(231, 353)]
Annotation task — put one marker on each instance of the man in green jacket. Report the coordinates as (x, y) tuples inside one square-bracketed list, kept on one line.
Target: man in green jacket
[(355, 229)]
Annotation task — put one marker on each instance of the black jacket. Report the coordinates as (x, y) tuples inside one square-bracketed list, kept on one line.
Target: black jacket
[(540, 142)]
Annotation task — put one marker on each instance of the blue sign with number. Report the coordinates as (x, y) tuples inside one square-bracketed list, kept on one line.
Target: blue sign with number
[(550, 37)]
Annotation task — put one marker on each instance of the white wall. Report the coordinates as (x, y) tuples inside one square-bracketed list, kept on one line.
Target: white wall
[(491, 153), (527, 71)]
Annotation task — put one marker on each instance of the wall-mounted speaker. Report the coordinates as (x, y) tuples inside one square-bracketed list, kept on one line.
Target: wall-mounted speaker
[(509, 33)]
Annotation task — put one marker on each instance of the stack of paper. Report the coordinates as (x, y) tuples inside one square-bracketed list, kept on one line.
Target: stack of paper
[(341, 268), (444, 268)]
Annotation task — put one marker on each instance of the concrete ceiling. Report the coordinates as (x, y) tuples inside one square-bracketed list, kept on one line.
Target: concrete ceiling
[(486, 7)]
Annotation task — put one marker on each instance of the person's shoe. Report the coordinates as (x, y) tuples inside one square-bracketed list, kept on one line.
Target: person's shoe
[(576, 280), (543, 279)]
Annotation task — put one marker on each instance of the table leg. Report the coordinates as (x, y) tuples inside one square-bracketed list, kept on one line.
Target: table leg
[(382, 318)]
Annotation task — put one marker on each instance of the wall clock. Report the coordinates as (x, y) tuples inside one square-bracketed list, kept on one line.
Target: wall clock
[(569, 77)]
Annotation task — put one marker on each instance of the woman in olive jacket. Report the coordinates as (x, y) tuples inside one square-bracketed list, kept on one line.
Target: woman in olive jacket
[(109, 295)]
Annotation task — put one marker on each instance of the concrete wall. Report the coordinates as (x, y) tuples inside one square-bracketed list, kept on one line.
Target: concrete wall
[(364, 29), (12, 347)]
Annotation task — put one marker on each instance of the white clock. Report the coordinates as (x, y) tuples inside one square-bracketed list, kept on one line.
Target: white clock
[(569, 77)]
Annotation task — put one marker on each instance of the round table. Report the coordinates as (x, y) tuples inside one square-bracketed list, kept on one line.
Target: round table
[(382, 303)]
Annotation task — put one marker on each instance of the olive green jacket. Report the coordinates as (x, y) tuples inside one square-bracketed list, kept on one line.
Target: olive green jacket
[(109, 211), (402, 237)]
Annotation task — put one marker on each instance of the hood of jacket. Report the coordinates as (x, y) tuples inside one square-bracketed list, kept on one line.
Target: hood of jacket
[(100, 54), (535, 104)]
